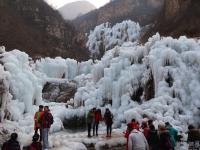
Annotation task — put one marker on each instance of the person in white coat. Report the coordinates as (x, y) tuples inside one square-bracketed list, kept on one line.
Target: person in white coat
[(137, 141)]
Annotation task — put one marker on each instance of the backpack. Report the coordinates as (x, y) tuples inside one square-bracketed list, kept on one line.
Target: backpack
[(50, 119)]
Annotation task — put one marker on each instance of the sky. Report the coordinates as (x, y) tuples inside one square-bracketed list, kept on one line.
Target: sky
[(60, 3)]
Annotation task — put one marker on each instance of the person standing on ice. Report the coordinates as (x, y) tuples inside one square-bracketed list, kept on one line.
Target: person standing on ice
[(193, 137), (137, 141), (47, 121), (12, 143), (37, 118), (93, 120), (172, 132), (127, 133), (164, 138), (98, 118), (130, 126), (89, 121), (153, 138), (108, 118), (145, 129)]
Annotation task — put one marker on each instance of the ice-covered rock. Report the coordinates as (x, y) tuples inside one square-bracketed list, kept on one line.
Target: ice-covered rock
[(104, 37)]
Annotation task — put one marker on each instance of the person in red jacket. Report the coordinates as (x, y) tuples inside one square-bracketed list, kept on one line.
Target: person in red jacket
[(127, 132), (130, 126), (38, 120), (98, 118), (145, 129)]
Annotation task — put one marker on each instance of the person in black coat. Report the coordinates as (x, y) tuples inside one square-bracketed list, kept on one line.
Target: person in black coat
[(108, 117), (153, 138), (12, 143)]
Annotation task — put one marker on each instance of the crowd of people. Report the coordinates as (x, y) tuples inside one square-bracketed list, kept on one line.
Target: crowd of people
[(43, 120), (142, 136), (147, 137), (94, 116)]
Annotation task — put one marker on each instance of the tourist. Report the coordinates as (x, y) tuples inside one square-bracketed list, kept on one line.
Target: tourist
[(164, 138), (173, 133), (89, 122), (153, 138), (193, 137), (98, 118), (108, 117), (35, 145), (37, 118), (145, 129), (137, 141), (12, 143), (47, 121)]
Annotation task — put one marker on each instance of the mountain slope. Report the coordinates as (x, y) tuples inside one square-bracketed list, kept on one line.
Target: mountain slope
[(33, 26), (176, 19), (142, 11), (72, 10), (183, 21)]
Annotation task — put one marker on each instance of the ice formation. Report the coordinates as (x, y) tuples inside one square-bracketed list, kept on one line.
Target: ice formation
[(104, 37), (171, 64)]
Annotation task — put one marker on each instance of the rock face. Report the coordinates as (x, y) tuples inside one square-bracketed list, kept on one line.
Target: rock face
[(168, 17), (58, 92), (72, 10), (142, 11), (174, 8), (36, 28), (181, 17), (178, 17)]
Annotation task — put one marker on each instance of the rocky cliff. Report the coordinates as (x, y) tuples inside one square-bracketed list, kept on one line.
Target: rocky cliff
[(168, 17), (142, 11), (179, 17), (36, 28), (174, 8)]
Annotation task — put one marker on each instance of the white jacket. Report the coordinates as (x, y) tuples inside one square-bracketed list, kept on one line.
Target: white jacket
[(137, 141)]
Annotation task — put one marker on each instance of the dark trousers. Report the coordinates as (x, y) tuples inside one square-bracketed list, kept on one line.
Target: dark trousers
[(89, 128), (36, 131), (109, 129), (95, 127)]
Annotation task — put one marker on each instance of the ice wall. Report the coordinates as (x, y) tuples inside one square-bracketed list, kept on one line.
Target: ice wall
[(25, 86), (113, 80), (5, 96), (174, 64), (104, 37)]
